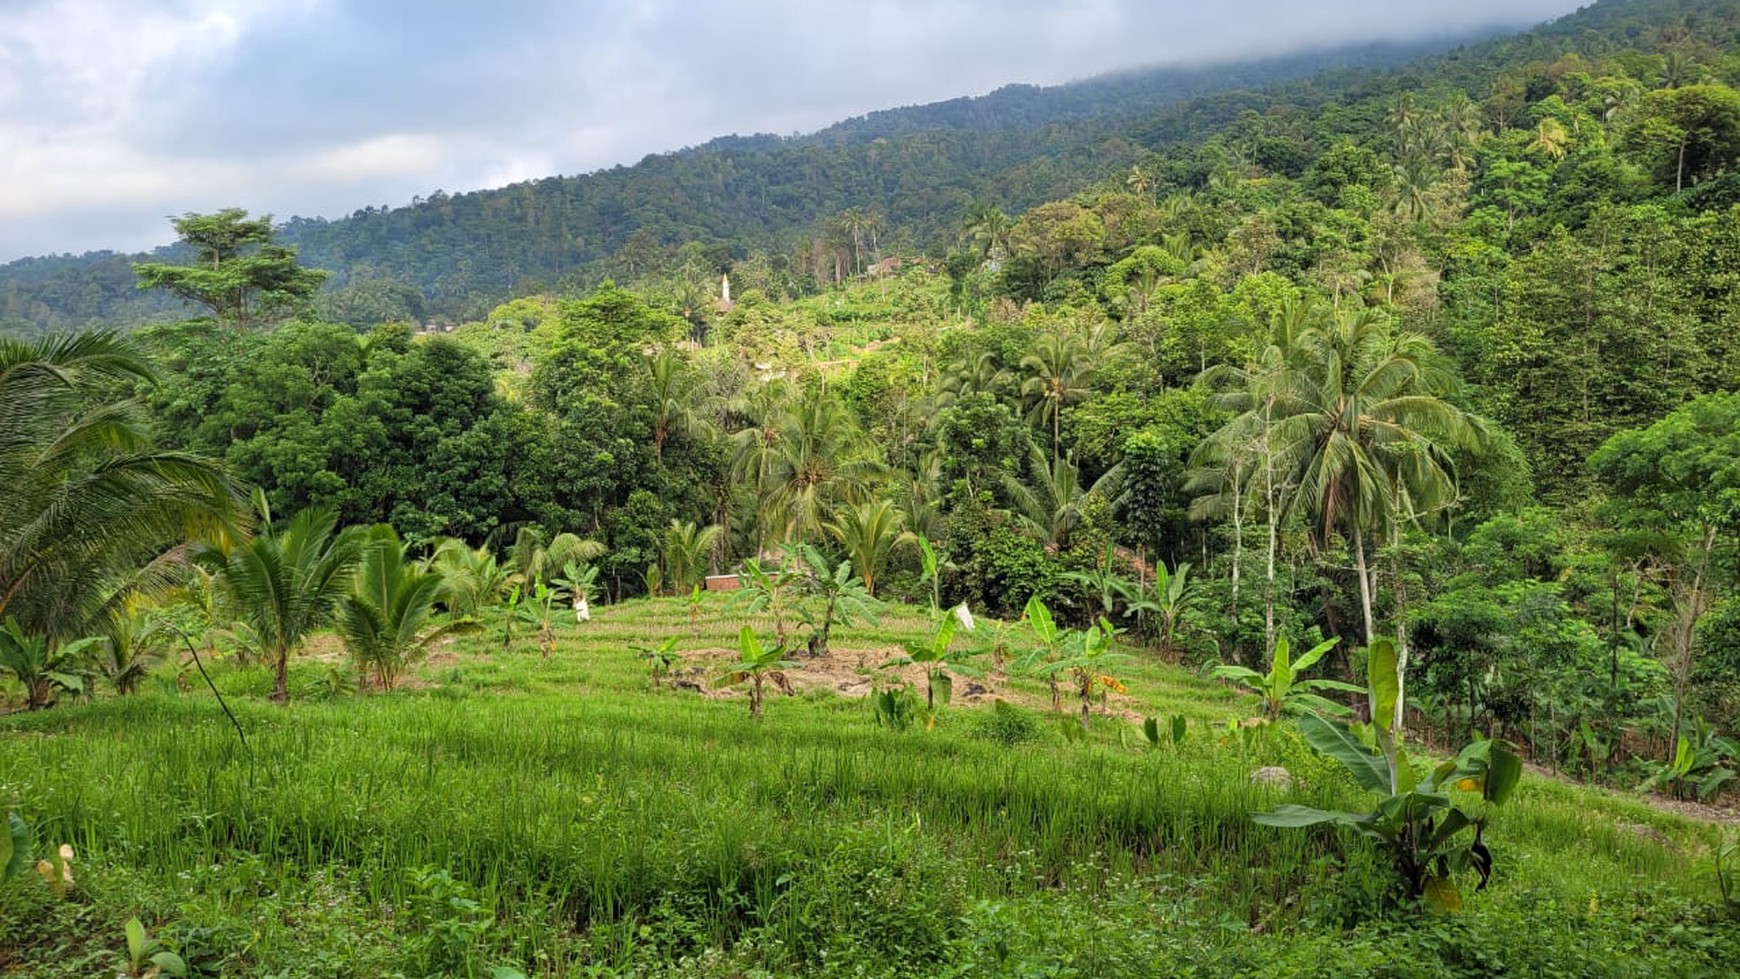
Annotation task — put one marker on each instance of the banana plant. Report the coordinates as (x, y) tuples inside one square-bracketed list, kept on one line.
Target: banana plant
[(1088, 657), (43, 669), (1103, 585), (758, 663), (1416, 820), (512, 614), (695, 607), (937, 659), (1038, 660), (578, 581), (766, 592), (1700, 767), (839, 596), (663, 657), (535, 608), (545, 596), (1170, 600), (1283, 689), (993, 641), (932, 565)]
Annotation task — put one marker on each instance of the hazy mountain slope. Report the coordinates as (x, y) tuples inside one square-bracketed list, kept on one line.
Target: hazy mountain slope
[(918, 165), (452, 256)]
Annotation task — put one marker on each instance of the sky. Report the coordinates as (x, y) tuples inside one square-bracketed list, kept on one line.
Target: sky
[(116, 114)]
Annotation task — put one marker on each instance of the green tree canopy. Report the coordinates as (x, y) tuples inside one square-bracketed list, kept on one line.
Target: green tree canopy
[(240, 272)]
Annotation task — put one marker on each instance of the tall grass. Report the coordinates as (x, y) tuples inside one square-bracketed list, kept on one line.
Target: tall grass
[(575, 801)]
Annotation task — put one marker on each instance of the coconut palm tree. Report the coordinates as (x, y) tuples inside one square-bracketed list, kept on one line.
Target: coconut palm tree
[(869, 532), (135, 643), (677, 402), (1236, 468), (91, 510), (1358, 420), (754, 418), (1049, 503), (387, 620), (286, 583), (685, 553), (471, 578), (1058, 370), (970, 374), (534, 559), (1552, 138), (819, 461), (988, 228)]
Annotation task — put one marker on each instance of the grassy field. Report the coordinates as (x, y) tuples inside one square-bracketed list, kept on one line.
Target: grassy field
[(561, 818)]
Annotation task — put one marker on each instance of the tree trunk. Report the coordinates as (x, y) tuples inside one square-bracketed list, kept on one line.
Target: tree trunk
[(1364, 583), (1269, 583), (1685, 636), (1238, 521), (281, 678)]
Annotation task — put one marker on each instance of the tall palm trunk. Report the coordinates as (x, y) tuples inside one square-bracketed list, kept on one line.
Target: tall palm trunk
[(281, 677), (1269, 507)]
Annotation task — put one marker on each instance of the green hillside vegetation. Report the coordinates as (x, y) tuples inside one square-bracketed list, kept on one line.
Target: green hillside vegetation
[(1412, 404), (453, 256)]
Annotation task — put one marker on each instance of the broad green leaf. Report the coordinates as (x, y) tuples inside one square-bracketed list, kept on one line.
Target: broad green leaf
[(1504, 771), (1683, 757), (749, 645), (945, 634), (1441, 895), (1439, 774), (1243, 673), (135, 940), (1282, 666), (170, 964), (1039, 618), (14, 844), (1332, 738), (1292, 817), (1320, 704), (1151, 729), (1178, 728), (1405, 779), (1454, 821), (942, 686), (1715, 780), (1405, 808), (1385, 686), (1314, 654), (1328, 685)]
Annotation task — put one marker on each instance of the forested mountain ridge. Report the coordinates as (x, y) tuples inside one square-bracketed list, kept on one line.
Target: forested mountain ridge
[(453, 256)]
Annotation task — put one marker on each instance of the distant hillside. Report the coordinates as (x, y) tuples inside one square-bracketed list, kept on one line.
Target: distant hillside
[(918, 166), (452, 257)]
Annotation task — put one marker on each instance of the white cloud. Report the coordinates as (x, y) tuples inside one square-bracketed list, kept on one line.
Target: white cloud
[(388, 155), (83, 81)]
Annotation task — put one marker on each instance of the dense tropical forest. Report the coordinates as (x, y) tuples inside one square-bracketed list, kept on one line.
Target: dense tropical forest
[(1331, 489)]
